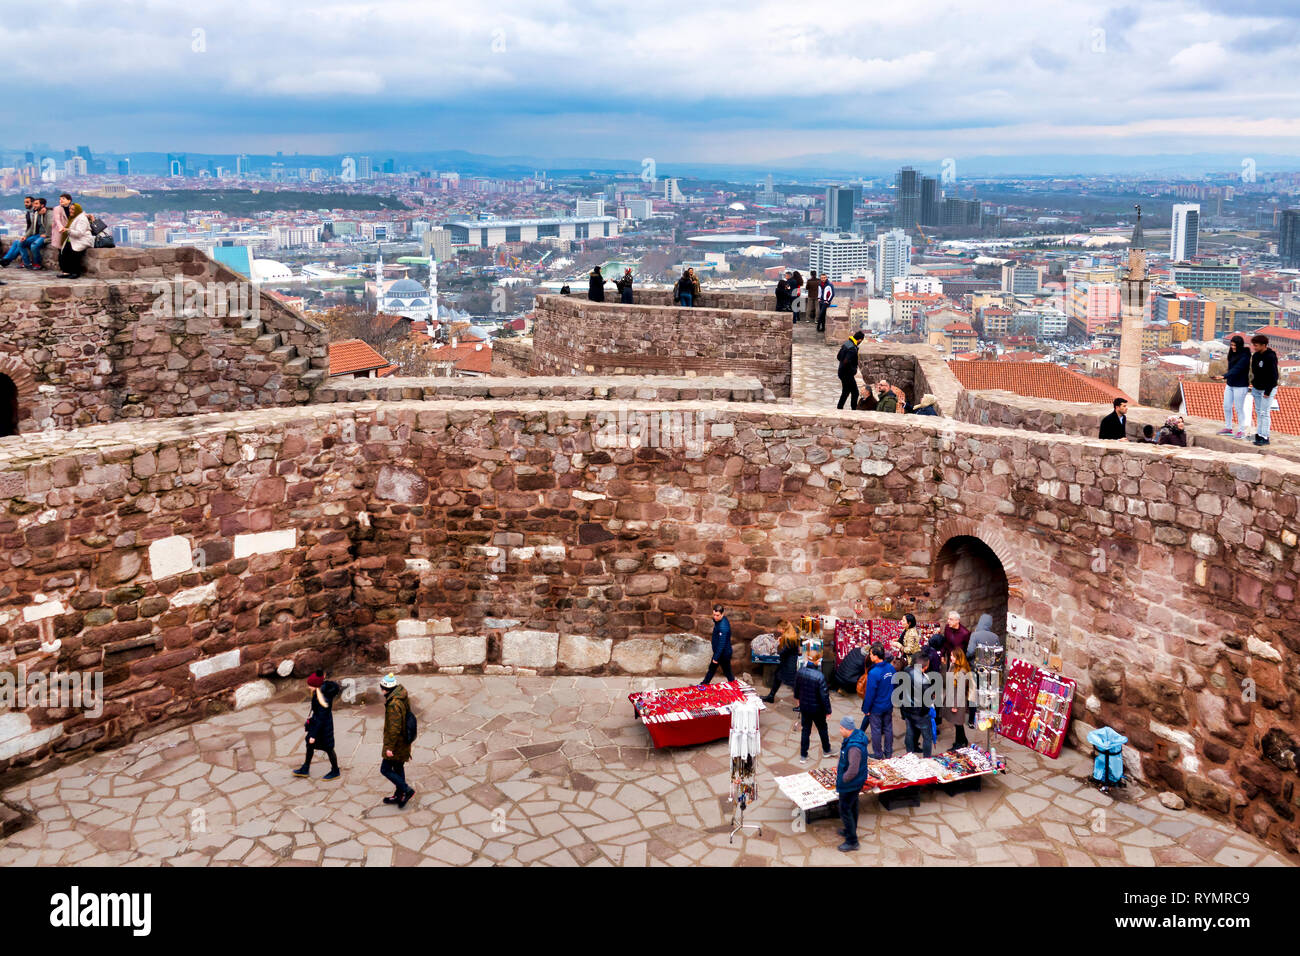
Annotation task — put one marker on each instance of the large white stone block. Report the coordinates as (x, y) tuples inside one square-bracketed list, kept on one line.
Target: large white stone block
[(640, 655), (170, 556), (265, 542), (27, 742), (254, 692), (530, 648), (685, 654), (410, 650), (459, 650), (203, 594), (584, 653), (215, 664)]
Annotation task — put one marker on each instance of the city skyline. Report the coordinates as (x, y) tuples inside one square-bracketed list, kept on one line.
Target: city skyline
[(732, 84)]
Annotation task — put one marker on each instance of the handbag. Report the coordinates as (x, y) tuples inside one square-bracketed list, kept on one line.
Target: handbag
[(862, 685)]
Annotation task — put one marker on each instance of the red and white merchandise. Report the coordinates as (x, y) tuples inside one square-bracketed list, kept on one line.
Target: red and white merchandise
[(1036, 707)]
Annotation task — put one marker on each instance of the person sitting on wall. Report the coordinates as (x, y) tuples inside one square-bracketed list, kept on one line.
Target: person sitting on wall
[(1148, 435), (928, 405), (887, 400), (1173, 432), (1114, 427)]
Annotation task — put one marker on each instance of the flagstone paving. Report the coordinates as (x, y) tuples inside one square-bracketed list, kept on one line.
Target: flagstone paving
[(540, 770)]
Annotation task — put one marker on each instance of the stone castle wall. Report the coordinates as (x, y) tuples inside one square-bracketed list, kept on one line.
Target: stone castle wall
[(500, 536), (165, 332), (572, 336)]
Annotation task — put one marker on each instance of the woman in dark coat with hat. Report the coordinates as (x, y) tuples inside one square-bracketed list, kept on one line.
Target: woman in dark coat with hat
[(320, 725)]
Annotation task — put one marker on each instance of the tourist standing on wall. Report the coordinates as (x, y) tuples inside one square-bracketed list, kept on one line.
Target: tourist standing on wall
[(78, 238), (825, 296), (596, 285), (787, 650), (1263, 381), (721, 641), (848, 370), (1114, 427), (397, 740), (814, 705), (783, 293), (850, 777), (1236, 386), (624, 286), (878, 703), (320, 725), (796, 294)]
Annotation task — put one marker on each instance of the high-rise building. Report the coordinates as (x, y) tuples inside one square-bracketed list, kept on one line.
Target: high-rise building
[(74, 166), (841, 255), (124, 167), (1020, 278), (365, 168), (241, 165), (1288, 242), (84, 153), (390, 167), (907, 199), (640, 208), (1205, 275), (671, 192), (928, 213), (893, 258), (961, 212), (590, 207), (839, 209), (1185, 232), (175, 164)]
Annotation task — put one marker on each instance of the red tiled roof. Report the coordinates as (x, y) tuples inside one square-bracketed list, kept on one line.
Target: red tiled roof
[(353, 355), (468, 356), (1034, 380), (1205, 400), (959, 327), (1279, 332)]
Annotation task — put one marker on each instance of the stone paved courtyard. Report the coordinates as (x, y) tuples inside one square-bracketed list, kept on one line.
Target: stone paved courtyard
[(524, 770)]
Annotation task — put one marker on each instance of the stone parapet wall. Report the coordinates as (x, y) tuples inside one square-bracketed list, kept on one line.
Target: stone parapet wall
[(540, 388), (530, 537), (573, 336), (164, 333), (512, 357)]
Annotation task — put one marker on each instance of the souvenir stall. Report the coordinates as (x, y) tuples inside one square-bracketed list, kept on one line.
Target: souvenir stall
[(744, 745), (1036, 706), (864, 632), (682, 716), (956, 769)]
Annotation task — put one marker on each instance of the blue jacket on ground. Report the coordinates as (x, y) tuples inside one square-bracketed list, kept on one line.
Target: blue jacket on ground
[(852, 774), (721, 639), (877, 696), (810, 687)]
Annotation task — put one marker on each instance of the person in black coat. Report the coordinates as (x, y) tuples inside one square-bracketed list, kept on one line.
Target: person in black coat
[(596, 286), (814, 705), (1263, 380), (320, 725), (787, 668), (783, 293), (848, 370), (721, 640), (1114, 427)]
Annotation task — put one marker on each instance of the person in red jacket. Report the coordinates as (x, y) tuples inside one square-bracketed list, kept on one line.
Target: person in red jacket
[(955, 637)]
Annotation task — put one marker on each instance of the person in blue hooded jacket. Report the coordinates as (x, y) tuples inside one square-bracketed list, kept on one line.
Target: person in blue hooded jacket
[(850, 777), (878, 703), (721, 645)]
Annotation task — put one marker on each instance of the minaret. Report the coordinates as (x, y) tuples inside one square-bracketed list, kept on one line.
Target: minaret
[(1134, 288), (433, 294), (379, 282)]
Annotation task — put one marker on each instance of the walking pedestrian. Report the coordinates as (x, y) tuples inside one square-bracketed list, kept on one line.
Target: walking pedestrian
[(848, 370), (319, 726), (1263, 381), (787, 649), (1236, 386), (397, 740), (917, 697), (850, 777), (721, 641), (814, 705)]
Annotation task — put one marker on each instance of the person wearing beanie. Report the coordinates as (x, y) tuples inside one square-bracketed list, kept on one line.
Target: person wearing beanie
[(319, 726), (850, 777), (397, 741)]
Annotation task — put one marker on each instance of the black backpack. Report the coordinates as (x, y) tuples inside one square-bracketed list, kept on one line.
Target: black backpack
[(412, 728)]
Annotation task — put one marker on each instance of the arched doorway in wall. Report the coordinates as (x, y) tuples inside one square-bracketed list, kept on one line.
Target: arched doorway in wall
[(8, 407), (971, 580)]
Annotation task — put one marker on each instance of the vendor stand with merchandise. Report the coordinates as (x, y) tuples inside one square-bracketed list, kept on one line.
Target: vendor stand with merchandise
[(696, 714)]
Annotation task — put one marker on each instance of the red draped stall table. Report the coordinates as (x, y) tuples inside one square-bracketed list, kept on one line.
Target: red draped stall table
[(682, 716)]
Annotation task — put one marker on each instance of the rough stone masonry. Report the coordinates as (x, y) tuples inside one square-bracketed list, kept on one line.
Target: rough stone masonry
[(199, 561)]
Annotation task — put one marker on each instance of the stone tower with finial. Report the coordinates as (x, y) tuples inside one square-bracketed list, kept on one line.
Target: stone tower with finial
[(1134, 288)]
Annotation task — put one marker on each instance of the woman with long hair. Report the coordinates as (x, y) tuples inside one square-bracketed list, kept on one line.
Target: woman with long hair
[(1236, 384), (958, 685), (787, 648)]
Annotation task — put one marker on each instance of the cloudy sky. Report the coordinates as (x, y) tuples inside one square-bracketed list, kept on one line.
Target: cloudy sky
[(748, 81)]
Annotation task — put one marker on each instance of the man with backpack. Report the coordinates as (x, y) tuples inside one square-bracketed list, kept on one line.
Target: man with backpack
[(399, 734)]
